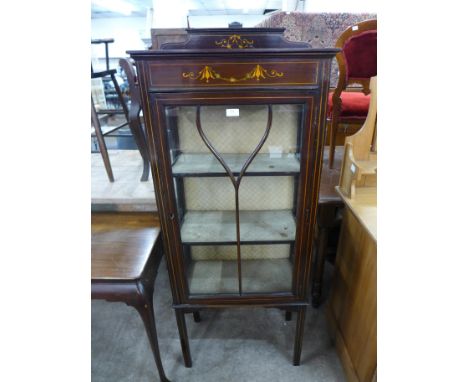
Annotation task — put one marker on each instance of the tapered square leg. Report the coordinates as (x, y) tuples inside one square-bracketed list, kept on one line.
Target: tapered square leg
[(299, 336), (184, 343), (196, 316)]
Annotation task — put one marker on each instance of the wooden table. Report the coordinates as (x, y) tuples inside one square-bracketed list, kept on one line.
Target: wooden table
[(329, 210), (126, 250)]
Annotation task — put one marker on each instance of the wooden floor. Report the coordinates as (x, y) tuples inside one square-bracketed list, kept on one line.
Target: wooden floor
[(127, 192)]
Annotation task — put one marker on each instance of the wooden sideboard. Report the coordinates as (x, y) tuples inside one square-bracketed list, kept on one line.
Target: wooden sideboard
[(352, 308)]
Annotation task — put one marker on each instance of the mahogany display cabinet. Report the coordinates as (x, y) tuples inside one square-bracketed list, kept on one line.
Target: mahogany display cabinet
[(236, 127)]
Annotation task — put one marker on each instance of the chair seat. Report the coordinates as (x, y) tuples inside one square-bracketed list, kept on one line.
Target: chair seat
[(353, 105)]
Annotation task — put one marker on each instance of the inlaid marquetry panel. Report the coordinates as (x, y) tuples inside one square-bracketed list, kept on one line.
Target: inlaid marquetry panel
[(209, 73)]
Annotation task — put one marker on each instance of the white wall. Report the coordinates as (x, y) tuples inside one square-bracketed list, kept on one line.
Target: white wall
[(173, 14), (170, 14), (129, 31), (126, 31), (223, 21)]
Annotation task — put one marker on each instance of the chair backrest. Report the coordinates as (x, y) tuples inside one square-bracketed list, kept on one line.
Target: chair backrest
[(357, 60), (128, 66)]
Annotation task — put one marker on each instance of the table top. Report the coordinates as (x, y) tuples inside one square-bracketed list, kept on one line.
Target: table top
[(364, 206), (121, 244)]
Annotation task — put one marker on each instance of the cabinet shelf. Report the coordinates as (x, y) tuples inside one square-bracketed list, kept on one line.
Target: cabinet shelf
[(263, 165), (219, 227), (218, 276)]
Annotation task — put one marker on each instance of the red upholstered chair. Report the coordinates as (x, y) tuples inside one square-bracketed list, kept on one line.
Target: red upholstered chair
[(357, 63)]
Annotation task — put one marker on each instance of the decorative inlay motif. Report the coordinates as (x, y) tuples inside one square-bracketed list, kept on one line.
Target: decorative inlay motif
[(235, 41), (257, 73)]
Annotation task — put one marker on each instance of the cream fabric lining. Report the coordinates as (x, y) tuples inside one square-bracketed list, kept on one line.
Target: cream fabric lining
[(255, 193), (239, 135), (248, 252)]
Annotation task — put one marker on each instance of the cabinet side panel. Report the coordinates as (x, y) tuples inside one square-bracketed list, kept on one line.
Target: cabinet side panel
[(353, 302)]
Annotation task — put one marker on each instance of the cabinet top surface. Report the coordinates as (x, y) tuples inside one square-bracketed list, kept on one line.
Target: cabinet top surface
[(364, 206), (238, 53)]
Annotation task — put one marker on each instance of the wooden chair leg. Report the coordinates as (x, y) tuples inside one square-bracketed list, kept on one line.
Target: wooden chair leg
[(335, 119), (119, 94), (145, 173), (196, 316), (299, 336), (184, 342), (101, 141), (319, 265), (331, 149), (147, 315), (140, 138)]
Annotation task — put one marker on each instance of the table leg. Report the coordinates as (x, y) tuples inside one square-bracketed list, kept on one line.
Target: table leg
[(146, 311)]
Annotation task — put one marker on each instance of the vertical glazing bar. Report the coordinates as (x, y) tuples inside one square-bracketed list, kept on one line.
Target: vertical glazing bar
[(236, 181), (239, 265)]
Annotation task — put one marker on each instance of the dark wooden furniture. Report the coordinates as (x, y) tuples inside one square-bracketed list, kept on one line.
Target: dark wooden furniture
[(122, 109), (126, 250), (134, 114), (329, 213), (131, 117), (101, 141), (106, 42), (236, 125), (357, 63), (161, 36), (95, 113)]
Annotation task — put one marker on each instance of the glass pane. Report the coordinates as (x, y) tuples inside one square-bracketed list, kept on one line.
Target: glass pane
[(212, 269), (238, 163), (266, 268)]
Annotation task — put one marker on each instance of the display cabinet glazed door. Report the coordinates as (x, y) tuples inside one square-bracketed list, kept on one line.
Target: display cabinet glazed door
[(236, 185)]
